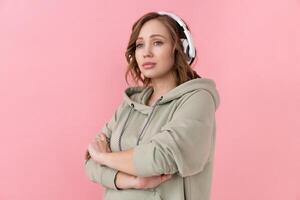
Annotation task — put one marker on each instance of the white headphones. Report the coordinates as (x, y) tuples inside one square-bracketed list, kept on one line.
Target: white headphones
[(188, 45)]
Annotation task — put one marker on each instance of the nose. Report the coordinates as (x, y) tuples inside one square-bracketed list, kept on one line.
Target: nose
[(147, 51)]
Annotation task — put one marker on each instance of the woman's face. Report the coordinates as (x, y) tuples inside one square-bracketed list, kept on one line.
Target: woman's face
[(154, 47)]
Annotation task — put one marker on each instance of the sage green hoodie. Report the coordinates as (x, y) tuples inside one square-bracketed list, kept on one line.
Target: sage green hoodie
[(175, 136)]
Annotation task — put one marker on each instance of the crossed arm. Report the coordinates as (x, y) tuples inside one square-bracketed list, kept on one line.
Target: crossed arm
[(126, 177), (122, 161)]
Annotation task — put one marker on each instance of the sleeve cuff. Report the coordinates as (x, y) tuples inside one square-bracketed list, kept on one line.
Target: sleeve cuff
[(100, 174), (108, 177), (115, 181)]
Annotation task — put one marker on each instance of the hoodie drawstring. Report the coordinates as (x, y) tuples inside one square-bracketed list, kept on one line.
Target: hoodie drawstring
[(140, 135)]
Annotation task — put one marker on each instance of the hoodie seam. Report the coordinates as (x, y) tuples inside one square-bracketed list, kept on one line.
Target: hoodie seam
[(193, 93), (186, 99)]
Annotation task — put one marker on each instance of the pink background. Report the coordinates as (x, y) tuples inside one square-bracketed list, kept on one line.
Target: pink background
[(62, 71)]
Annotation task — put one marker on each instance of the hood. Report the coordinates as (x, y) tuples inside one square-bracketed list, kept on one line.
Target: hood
[(138, 95)]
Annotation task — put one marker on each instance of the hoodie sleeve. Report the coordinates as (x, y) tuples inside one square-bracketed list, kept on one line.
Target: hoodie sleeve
[(183, 145), (99, 173)]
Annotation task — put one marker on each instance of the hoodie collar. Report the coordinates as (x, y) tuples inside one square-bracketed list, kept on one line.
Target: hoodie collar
[(138, 95)]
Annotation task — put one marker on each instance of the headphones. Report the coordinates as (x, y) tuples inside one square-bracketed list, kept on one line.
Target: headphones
[(188, 45)]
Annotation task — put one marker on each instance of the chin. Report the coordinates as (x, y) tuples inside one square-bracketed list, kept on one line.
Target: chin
[(151, 75), (155, 74)]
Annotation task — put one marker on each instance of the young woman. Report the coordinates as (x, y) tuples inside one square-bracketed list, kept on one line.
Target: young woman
[(160, 142)]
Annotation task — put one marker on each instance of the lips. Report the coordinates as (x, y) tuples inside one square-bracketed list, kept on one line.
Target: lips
[(147, 65)]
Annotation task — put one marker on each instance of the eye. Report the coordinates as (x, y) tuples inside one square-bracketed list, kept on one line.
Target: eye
[(158, 43), (138, 45)]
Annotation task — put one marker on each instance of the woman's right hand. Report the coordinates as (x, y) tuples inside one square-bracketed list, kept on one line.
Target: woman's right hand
[(152, 181), (103, 145)]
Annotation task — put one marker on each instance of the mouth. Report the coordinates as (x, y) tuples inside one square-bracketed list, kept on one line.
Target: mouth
[(148, 65)]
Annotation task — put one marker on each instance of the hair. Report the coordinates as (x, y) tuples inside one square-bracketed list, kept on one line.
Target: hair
[(181, 69)]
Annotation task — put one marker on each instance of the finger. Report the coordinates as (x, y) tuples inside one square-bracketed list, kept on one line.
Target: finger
[(95, 145), (93, 148), (166, 177), (103, 137), (102, 141), (102, 146), (105, 147), (108, 149)]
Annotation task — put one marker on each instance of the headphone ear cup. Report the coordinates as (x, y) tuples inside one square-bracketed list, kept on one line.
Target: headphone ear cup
[(186, 47)]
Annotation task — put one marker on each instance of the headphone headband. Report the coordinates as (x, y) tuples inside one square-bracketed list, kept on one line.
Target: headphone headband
[(188, 44)]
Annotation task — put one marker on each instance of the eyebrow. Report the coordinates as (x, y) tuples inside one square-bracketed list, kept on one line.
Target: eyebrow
[(153, 35)]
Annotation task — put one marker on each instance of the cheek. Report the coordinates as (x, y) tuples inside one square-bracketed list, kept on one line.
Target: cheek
[(137, 56), (167, 57), (165, 52)]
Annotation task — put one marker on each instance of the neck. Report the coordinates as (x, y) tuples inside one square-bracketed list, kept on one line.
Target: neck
[(162, 85)]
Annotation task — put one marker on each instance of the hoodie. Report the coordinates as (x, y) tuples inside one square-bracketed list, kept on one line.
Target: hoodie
[(175, 136)]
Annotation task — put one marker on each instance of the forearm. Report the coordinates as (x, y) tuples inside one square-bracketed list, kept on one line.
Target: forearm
[(125, 178), (126, 181), (122, 161)]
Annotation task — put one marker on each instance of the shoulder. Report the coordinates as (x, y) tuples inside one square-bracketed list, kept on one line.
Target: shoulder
[(197, 98)]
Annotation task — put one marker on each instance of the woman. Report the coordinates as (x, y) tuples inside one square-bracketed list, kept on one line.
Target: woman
[(160, 142)]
